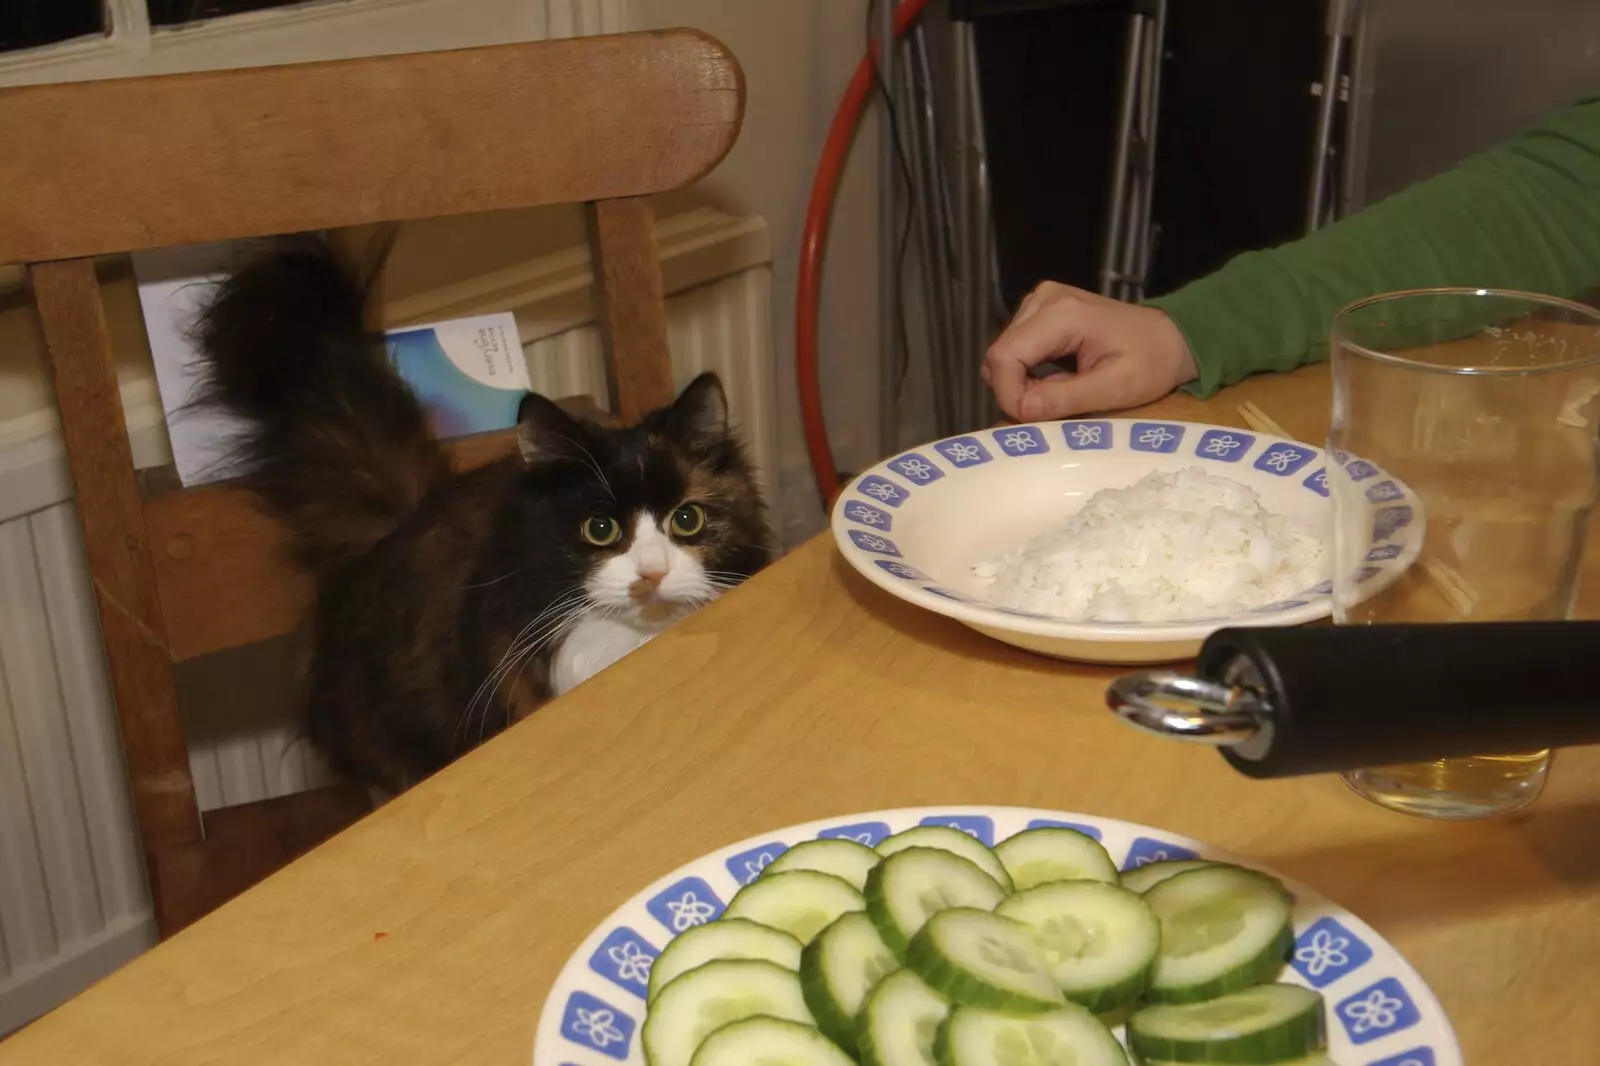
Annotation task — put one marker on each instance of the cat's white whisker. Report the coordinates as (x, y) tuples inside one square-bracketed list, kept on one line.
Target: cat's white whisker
[(563, 608), (492, 581)]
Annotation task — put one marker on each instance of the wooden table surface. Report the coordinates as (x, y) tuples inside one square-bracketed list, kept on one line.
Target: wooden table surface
[(430, 932)]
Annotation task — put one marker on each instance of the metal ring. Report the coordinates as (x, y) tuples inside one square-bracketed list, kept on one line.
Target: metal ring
[(1222, 715)]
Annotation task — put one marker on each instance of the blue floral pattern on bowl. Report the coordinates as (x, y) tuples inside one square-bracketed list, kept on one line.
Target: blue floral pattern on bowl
[(884, 491), (1161, 437), (1021, 440), (1380, 1013), (871, 542), (747, 865), (1146, 850), (1327, 951), (1284, 459), (624, 958), (1087, 436), (977, 827), (1090, 831), (868, 515), (591, 1022), (916, 469), (963, 452), (1223, 445), (1377, 1011)]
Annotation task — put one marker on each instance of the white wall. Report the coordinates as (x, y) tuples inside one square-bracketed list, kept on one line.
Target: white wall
[(798, 56)]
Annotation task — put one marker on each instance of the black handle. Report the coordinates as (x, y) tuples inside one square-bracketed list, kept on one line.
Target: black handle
[(1348, 697)]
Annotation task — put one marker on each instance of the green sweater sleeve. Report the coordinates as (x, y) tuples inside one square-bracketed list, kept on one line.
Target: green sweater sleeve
[(1523, 215)]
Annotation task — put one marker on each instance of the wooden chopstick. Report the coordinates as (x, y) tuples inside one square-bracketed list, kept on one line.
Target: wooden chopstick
[(1456, 590), (1258, 420)]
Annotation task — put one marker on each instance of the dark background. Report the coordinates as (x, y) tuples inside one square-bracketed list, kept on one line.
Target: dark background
[(1233, 143)]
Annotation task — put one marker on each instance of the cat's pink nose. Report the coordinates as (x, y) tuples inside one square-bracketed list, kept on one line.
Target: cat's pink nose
[(649, 580)]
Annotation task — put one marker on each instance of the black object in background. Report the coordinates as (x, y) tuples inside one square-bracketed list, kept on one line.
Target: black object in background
[(34, 23), (1050, 80), (1235, 131), (1234, 134), (177, 12)]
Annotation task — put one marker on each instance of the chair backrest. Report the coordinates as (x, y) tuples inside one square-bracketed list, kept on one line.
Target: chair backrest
[(97, 168)]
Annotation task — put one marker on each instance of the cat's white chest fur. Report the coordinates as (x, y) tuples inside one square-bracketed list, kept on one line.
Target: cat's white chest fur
[(593, 644)]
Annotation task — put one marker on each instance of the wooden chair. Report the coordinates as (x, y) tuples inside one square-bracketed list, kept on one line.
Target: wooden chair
[(101, 168)]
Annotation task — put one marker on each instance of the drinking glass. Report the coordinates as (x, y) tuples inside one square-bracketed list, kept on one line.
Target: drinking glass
[(1483, 404)]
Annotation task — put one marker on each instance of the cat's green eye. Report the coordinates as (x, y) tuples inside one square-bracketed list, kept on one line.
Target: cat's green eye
[(688, 520), (601, 531)]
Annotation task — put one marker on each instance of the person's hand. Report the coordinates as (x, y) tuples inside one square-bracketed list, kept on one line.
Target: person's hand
[(1126, 354)]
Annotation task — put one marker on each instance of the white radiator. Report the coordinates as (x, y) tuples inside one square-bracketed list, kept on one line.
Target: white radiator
[(73, 900)]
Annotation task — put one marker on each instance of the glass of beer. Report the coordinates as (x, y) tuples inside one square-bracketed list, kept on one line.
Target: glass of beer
[(1484, 405)]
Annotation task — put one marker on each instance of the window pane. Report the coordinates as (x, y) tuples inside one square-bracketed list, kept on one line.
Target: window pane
[(31, 23), (177, 12)]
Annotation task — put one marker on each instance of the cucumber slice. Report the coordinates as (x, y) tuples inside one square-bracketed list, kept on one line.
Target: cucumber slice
[(1223, 929), (981, 960), (900, 1022), (801, 902), (1054, 853), (770, 1042), (725, 938), (1066, 1036), (1267, 1024), (693, 1005), (1099, 940), (952, 840), (1143, 878), (838, 969), (841, 858), (909, 886)]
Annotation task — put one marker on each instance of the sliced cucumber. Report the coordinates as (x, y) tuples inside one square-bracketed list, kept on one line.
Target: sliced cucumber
[(1054, 853), (726, 938), (837, 971), (801, 902), (1066, 1036), (841, 858), (900, 1022), (909, 886), (693, 1005), (952, 840), (769, 1042), (1099, 940), (1223, 928), (978, 959), (1144, 878), (1266, 1024)]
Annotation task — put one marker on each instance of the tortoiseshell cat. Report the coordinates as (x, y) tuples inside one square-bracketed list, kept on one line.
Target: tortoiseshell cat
[(450, 605)]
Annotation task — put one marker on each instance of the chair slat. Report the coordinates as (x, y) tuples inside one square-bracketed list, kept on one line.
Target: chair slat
[(67, 298)]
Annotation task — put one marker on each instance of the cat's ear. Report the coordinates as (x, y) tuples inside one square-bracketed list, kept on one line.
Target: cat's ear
[(701, 409), (545, 432)]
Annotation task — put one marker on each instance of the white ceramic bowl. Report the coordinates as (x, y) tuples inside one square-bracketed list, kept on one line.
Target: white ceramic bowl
[(914, 525)]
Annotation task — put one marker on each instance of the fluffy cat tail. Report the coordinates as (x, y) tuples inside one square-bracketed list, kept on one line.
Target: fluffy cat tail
[(335, 443)]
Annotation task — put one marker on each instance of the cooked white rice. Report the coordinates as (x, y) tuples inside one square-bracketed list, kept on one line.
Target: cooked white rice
[(1171, 546)]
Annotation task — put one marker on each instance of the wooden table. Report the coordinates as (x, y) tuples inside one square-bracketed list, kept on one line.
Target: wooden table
[(430, 932)]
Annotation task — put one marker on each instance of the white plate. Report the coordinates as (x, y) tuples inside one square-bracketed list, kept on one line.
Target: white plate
[(914, 525), (1380, 1013)]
